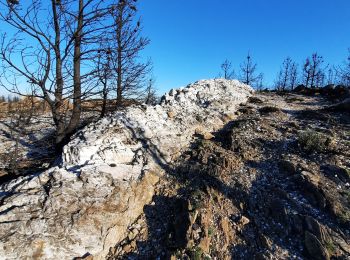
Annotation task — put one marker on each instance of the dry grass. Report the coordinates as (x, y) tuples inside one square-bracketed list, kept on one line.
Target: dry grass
[(312, 141), (269, 109), (25, 105)]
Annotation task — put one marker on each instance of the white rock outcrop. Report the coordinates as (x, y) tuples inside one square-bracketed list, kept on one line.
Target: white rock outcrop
[(108, 174)]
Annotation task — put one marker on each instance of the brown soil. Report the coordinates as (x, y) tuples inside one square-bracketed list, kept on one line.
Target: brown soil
[(272, 184)]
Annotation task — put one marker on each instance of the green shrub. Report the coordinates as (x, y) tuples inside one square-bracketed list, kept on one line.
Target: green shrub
[(211, 231), (269, 109), (312, 141), (294, 99), (196, 253), (331, 248), (255, 100)]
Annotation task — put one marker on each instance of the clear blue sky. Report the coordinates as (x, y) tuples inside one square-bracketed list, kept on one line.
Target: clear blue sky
[(191, 38)]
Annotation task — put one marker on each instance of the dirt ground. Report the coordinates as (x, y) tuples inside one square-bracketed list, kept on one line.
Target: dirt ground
[(274, 183)]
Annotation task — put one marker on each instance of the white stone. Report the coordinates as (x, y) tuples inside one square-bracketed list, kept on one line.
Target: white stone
[(108, 174)]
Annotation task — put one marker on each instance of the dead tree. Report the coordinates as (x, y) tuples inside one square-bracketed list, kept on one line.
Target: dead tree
[(293, 75), (227, 69), (313, 71), (260, 85), (316, 70), (320, 79), (344, 72), (63, 36), (306, 72), (128, 43), (151, 95), (330, 76), (287, 75), (283, 75), (248, 72), (105, 75)]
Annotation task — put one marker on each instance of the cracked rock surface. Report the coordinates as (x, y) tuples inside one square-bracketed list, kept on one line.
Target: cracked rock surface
[(108, 174)]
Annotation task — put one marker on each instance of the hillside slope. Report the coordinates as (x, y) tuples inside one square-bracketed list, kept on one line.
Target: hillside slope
[(272, 184), (108, 173), (215, 171)]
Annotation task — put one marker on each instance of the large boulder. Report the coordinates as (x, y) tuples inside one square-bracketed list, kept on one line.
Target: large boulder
[(109, 172), (59, 215)]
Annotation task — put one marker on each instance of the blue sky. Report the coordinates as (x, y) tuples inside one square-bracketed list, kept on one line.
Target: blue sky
[(191, 38)]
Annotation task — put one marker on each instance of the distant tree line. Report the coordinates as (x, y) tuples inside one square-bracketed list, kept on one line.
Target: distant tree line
[(312, 73), (9, 99)]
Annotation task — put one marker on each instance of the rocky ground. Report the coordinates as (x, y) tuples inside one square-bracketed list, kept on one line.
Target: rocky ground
[(27, 143), (213, 172), (25, 146), (273, 183), (108, 171)]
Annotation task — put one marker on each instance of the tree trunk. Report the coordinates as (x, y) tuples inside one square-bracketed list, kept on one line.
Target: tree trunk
[(119, 82), (104, 101), (119, 56), (307, 79), (76, 112), (313, 79), (58, 108)]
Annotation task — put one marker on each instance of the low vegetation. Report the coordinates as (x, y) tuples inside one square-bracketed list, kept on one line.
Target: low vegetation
[(269, 109), (313, 141)]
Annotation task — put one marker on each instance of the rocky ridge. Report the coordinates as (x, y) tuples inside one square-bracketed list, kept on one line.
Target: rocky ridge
[(109, 172), (272, 184)]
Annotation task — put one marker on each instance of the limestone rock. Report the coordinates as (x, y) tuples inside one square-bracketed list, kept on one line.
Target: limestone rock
[(108, 174), (204, 134), (72, 216), (116, 139), (171, 114), (244, 221)]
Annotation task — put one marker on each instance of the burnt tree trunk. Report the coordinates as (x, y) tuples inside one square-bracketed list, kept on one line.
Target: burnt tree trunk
[(76, 111), (119, 55), (104, 99)]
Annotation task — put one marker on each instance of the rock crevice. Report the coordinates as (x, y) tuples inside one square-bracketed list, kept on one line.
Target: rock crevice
[(108, 174)]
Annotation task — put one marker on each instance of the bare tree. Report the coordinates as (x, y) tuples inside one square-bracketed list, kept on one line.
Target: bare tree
[(63, 37), (260, 84), (287, 75), (227, 69), (330, 76), (151, 95), (320, 79), (313, 71), (344, 72), (283, 75), (105, 76), (306, 72), (293, 75), (248, 72), (130, 71)]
